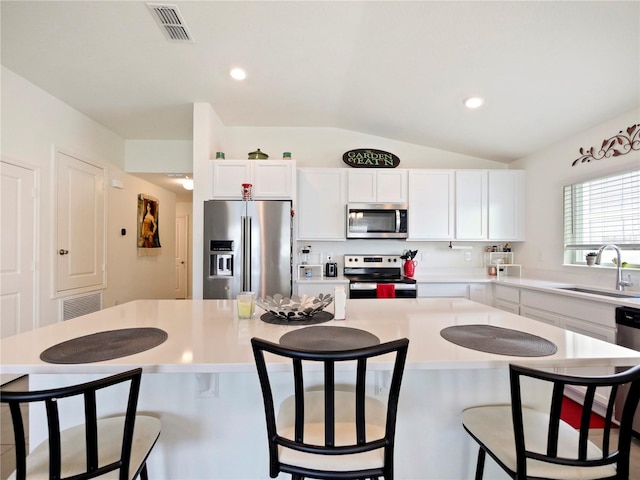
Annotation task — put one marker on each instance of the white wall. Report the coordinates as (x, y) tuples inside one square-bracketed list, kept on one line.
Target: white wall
[(33, 122), (159, 156), (547, 171), (323, 147)]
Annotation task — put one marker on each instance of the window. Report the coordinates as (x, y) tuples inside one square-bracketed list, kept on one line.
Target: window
[(603, 211)]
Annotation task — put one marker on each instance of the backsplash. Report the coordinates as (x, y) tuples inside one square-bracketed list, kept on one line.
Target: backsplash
[(432, 257)]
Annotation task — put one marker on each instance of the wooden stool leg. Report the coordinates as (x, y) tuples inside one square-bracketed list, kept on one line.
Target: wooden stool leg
[(480, 466)]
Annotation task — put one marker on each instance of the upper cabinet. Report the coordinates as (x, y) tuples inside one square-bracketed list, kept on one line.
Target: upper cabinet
[(471, 205), (506, 205), (490, 205), (431, 204), (321, 205), (271, 179), (377, 186)]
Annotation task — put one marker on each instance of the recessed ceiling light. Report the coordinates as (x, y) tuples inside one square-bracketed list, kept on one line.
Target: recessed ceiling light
[(187, 183), (473, 102), (238, 73)]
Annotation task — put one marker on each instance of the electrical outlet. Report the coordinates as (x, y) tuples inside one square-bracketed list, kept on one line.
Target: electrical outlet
[(467, 256), (329, 257)]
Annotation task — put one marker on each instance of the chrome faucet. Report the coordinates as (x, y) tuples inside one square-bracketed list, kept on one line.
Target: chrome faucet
[(620, 284)]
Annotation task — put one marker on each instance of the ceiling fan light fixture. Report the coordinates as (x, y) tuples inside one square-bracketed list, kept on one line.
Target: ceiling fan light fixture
[(473, 102), (238, 73)]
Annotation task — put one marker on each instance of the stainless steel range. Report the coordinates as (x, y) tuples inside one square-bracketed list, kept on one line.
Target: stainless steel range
[(366, 272)]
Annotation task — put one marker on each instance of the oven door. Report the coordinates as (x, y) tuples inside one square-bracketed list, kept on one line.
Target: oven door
[(370, 289)]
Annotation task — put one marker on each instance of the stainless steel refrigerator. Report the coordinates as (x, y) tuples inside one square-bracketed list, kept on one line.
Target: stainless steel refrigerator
[(247, 247)]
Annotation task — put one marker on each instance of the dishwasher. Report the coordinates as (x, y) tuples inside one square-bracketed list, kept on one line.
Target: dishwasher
[(628, 335)]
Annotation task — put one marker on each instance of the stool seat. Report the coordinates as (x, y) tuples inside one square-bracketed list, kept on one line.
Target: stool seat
[(536, 443), (345, 432), (103, 446), (493, 424), (146, 431)]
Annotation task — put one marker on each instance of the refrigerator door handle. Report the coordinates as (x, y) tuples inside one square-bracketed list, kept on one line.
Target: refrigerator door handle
[(246, 254)]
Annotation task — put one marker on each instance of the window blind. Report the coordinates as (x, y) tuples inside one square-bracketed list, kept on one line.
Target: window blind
[(603, 210)]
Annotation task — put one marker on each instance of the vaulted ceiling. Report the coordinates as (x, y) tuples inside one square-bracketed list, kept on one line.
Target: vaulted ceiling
[(395, 69)]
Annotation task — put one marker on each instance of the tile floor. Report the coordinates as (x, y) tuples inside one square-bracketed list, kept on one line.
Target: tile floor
[(7, 459)]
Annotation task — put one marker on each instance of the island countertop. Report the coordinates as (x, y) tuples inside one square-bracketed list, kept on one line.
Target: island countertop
[(205, 336), (201, 381)]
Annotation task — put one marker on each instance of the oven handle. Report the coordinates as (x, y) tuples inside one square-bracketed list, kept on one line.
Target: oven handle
[(374, 286)]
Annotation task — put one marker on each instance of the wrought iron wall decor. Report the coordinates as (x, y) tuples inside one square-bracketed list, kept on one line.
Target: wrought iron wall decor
[(615, 146)]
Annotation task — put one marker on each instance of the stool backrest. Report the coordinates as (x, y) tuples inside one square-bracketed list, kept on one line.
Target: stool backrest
[(51, 399), (324, 373), (628, 380)]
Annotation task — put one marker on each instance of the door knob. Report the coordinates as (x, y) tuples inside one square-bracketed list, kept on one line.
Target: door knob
[(63, 252)]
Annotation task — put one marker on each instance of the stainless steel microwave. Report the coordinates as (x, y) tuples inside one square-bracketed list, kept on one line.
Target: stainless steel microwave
[(377, 220)]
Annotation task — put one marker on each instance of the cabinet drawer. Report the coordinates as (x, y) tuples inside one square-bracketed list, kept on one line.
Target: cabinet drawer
[(508, 306), (443, 290), (540, 315), (507, 293)]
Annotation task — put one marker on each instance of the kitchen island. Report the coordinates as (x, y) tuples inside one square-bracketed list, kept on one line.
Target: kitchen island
[(201, 381)]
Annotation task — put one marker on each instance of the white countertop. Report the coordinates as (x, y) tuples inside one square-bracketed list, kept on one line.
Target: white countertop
[(205, 336)]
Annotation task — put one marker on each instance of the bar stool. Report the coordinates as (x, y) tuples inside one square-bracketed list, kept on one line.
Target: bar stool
[(529, 443), (118, 445), (332, 429)]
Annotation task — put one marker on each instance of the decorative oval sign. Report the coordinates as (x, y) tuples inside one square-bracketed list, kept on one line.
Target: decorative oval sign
[(370, 158)]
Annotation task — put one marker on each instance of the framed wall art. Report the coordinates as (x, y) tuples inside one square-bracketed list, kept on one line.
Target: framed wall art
[(148, 225)]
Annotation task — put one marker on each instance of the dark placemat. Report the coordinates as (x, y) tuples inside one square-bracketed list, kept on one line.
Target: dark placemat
[(502, 341), (102, 346), (319, 317), (329, 338)]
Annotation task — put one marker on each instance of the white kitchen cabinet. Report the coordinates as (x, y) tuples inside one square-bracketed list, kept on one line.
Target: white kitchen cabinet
[(431, 204), (490, 205), (506, 205), (321, 205), (594, 319), (478, 292), (540, 315), (271, 179), (315, 288), (507, 306), (507, 299), (443, 290), (471, 205), (377, 186)]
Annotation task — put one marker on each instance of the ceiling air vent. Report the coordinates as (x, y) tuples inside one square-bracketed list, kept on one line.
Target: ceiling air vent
[(171, 22)]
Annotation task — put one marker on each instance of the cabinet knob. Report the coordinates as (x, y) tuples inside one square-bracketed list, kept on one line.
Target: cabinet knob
[(63, 252)]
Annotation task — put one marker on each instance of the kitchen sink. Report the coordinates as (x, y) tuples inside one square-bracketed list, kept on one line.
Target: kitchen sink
[(600, 292)]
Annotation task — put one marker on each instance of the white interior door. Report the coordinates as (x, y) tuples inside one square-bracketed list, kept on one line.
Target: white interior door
[(18, 211), (17, 241), (182, 239), (80, 224)]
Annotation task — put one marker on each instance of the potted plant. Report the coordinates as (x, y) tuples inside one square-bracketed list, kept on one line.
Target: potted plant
[(591, 258)]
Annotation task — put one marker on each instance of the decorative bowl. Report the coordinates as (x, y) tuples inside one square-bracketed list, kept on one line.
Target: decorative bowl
[(296, 307)]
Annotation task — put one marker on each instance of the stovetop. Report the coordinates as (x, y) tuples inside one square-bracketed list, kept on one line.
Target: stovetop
[(375, 268)]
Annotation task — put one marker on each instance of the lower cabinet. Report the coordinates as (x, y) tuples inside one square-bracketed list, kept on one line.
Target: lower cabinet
[(315, 288), (507, 299), (478, 292)]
